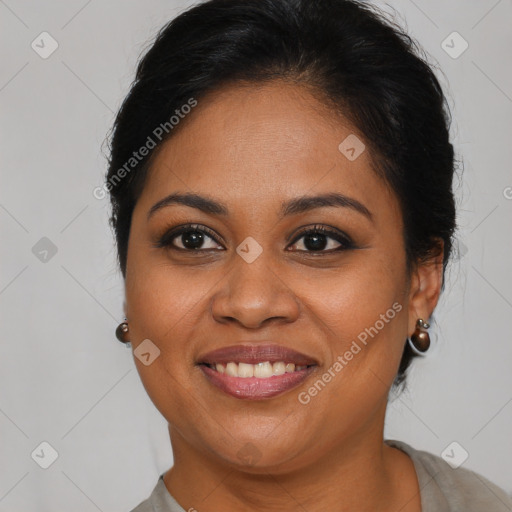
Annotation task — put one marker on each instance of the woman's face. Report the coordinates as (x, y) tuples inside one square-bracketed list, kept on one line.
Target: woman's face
[(340, 299)]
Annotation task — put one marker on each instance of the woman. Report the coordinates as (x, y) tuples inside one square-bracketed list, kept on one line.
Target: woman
[(281, 183)]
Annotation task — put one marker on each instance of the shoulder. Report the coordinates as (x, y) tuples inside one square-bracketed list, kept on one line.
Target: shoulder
[(145, 506), (443, 487), (160, 500)]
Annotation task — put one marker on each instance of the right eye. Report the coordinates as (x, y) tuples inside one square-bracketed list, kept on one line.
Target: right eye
[(190, 236)]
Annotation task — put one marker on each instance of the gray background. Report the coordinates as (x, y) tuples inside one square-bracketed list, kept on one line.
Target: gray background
[(65, 379)]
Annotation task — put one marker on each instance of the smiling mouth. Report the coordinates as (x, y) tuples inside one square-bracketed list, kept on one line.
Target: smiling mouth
[(256, 381), (256, 371)]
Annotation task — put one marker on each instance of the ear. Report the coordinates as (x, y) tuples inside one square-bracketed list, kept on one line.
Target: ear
[(425, 287)]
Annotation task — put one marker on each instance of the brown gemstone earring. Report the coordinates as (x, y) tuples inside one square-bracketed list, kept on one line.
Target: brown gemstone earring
[(122, 333), (420, 339)]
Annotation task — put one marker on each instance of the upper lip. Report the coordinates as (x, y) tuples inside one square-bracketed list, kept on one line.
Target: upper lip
[(255, 353)]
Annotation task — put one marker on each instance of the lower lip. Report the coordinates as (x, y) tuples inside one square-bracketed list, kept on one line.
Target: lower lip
[(254, 388)]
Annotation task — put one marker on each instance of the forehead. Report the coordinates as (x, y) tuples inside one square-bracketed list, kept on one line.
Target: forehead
[(261, 145)]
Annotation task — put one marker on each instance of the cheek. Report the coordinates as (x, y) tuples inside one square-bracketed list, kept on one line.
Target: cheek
[(363, 315), (163, 303), (161, 306), (351, 300)]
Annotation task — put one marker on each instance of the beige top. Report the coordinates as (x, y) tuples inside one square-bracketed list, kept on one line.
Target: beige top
[(442, 488)]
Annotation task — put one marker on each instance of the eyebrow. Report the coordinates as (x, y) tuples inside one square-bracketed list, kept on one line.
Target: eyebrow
[(291, 207)]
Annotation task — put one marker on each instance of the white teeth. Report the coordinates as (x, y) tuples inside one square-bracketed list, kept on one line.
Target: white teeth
[(261, 370), (245, 370), (232, 369), (278, 368), (290, 367)]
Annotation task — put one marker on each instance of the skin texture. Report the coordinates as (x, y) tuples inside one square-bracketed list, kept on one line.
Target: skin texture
[(253, 147)]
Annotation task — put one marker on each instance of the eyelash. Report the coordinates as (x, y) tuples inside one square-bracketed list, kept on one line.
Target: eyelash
[(166, 240)]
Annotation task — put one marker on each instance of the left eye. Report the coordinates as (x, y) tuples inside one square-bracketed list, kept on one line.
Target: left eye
[(317, 240)]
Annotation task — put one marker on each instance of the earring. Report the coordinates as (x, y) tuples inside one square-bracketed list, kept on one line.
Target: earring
[(420, 339), (122, 333)]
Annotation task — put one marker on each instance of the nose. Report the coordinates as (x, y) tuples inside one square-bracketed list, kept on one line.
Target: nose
[(252, 295)]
